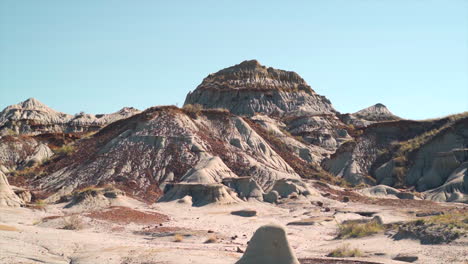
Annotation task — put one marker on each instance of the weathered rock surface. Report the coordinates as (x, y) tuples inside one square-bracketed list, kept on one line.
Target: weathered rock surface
[(8, 197), (269, 245), (248, 88), (22, 152), (369, 115), (245, 187), (202, 194), (165, 145), (428, 155), (384, 191), (96, 198), (33, 117)]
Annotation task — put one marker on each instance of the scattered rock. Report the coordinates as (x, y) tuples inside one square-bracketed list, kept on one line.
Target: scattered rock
[(239, 250), (345, 199), (406, 258), (428, 214), (245, 213), (271, 197), (312, 220), (269, 245)]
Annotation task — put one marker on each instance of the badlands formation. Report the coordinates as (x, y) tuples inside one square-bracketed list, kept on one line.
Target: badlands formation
[(256, 167)]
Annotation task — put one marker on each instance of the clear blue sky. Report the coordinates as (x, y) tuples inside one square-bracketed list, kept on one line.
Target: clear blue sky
[(98, 56)]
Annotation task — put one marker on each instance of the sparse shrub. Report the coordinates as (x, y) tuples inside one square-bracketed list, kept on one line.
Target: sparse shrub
[(39, 204), (65, 150), (193, 109), (344, 251), (178, 238), (10, 132), (355, 230), (211, 239), (73, 222)]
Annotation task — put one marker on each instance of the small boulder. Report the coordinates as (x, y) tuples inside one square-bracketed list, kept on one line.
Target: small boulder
[(245, 213), (271, 197), (406, 258), (269, 245)]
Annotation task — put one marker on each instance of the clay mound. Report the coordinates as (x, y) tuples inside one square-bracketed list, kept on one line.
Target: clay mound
[(377, 112), (455, 188), (383, 191), (285, 187), (96, 198), (245, 187), (208, 170), (8, 197), (269, 245), (202, 194)]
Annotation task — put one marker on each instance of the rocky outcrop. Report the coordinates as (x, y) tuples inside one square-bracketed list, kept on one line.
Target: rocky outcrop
[(201, 194), (21, 152), (269, 245), (427, 155), (383, 191), (8, 197), (96, 198), (249, 87), (33, 117), (369, 115), (245, 187)]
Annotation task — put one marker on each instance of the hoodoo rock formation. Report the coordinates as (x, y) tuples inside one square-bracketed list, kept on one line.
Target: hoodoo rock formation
[(269, 245)]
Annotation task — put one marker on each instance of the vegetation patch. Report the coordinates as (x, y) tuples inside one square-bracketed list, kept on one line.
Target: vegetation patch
[(438, 229), (73, 222), (356, 230), (65, 150), (192, 110), (345, 252)]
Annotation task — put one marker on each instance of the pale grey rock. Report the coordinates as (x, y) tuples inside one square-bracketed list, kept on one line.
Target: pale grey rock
[(286, 187), (201, 194), (271, 197), (208, 170), (455, 189), (370, 115), (8, 198), (33, 117), (383, 191), (245, 187), (269, 245)]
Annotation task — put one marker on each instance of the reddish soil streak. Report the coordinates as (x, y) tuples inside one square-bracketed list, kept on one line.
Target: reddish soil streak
[(125, 215)]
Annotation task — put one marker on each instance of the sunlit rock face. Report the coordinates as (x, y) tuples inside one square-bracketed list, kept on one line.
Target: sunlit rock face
[(248, 88), (33, 118)]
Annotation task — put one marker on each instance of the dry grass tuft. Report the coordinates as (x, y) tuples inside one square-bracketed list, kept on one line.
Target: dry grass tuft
[(65, 150), (178, 238), (73, 222), (345, 251), (355, 230), (192, 110), (211, 239)]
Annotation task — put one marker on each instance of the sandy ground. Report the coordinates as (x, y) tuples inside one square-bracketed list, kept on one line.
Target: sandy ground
[(37, 235)]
